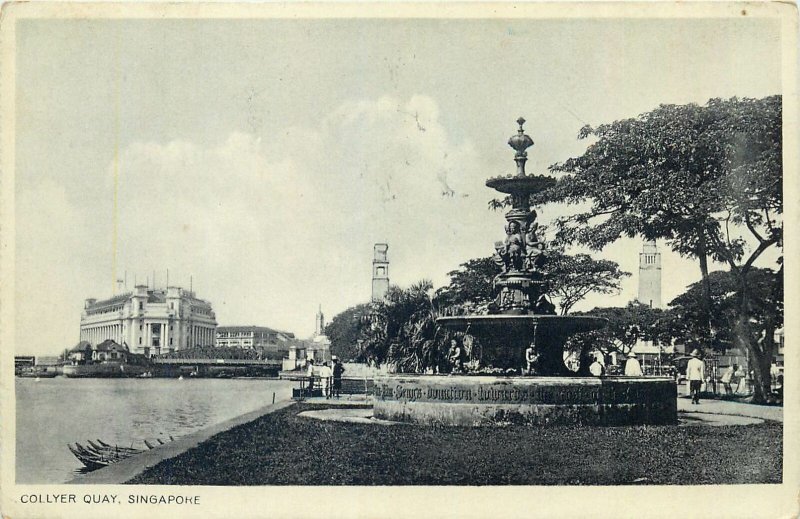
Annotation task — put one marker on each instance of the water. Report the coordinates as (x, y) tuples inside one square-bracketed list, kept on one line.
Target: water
[(54, 412)]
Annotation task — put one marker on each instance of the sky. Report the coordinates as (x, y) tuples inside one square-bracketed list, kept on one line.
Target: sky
[(262, 159)]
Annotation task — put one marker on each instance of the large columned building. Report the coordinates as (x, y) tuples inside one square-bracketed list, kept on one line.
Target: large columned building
[(150, 321)]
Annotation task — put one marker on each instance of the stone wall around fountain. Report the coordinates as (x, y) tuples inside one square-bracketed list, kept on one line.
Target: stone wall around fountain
[(466, 400)]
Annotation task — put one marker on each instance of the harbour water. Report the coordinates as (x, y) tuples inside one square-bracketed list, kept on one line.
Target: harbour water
[(54, 412)]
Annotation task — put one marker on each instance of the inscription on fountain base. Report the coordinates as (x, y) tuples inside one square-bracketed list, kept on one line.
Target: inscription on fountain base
[(481, 400)]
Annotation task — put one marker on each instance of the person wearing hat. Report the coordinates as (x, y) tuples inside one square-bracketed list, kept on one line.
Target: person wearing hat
[(695, 372), (310, 373), (632, 366)]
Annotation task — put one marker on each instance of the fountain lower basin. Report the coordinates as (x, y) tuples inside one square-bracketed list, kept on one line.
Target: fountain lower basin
[(466, 400), (505, 337)]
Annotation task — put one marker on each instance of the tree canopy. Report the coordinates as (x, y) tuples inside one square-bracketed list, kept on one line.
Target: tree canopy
[(470, 285), (626, 325), (682, 173), (706, 179), (344, 332), (765, 287), (572, 278)]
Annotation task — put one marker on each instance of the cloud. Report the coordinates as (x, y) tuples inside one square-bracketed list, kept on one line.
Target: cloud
[(271, 225)]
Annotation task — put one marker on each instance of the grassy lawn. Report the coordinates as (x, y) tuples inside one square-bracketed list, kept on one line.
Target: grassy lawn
[(284, 449)]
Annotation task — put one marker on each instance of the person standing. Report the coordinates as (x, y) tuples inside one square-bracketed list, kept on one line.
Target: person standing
[(741, 381), (310, 373), (632, 366), (695, 373), (325, 375), (727, 377), (596, 368), (338, 370)]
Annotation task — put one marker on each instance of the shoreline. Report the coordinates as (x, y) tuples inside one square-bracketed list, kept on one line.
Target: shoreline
[(125, 470)]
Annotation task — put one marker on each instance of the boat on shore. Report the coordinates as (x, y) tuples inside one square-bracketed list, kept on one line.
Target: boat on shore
[(98, 455), (37, 373)]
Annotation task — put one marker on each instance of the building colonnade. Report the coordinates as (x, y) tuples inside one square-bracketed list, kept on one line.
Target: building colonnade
[(97, 334)]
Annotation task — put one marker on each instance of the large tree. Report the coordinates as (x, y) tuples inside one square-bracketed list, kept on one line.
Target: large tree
[(707, 179), (765, 288), (344, 332), (572, 278), (470, 285)]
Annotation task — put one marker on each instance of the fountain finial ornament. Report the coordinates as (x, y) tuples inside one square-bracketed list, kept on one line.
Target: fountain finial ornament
[(520, 142)]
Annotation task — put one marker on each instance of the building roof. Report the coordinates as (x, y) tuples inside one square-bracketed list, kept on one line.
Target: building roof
[(111, 301), (158, 295), (110, 345), (251, 328), (80, 347)]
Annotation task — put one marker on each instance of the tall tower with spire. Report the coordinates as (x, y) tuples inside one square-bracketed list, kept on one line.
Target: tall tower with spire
[(650, 275), (319, 328), (380, 272)]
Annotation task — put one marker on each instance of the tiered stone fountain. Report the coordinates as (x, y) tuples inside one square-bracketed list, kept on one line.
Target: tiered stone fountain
[(521, 315)]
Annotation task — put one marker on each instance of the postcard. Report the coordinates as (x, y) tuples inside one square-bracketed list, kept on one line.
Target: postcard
[(398, 259)]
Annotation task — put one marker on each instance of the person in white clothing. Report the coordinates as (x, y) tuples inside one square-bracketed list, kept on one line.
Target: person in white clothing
[(695, 373), (597, 368), (727, 378), (310, 373), (632, 366), (325, 374)]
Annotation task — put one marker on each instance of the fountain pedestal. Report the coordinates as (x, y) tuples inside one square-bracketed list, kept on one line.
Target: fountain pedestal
[(463, 400)]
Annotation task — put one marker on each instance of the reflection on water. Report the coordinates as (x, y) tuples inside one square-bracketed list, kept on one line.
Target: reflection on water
[(125, 412)]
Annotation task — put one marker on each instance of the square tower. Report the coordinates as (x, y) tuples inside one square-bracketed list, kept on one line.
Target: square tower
[(650, 275), (380, 272)]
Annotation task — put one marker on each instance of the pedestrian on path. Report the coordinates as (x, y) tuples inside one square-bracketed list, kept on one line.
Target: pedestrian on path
[(325, 375), (695, 373), (338, 370), (310, 373)]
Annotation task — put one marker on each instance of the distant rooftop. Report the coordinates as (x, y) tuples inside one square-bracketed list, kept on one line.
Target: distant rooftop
[(154, 295), (251, 328)]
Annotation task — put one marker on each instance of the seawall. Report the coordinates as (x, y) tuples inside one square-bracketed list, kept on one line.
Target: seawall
[(120, 472)]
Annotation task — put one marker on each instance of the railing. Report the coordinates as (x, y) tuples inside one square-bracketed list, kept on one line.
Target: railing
[(240, 362), (350, 386)]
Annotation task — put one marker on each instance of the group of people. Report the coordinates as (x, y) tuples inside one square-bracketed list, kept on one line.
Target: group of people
[(734, 380), (632, 367), (330, 377)]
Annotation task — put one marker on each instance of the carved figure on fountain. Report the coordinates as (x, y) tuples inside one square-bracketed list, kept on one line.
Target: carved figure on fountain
[(514, 246), (534, 257)]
